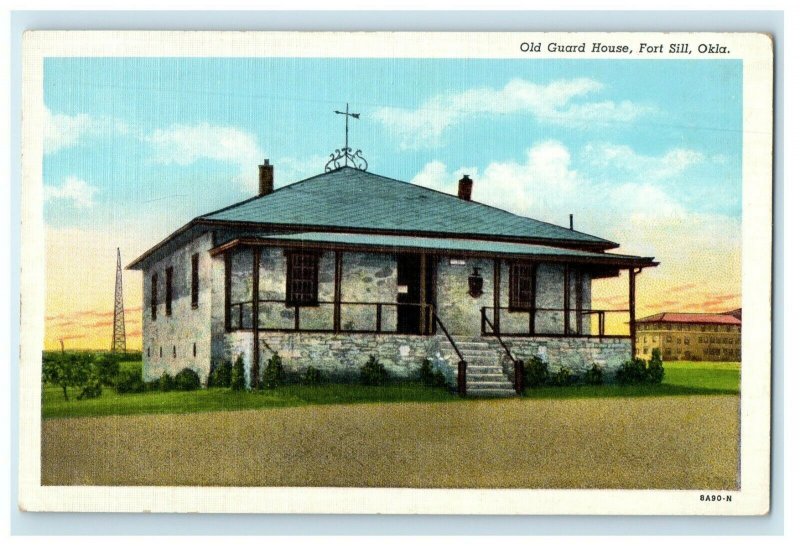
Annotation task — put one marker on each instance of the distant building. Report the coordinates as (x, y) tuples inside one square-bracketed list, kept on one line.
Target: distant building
[(691, 336)]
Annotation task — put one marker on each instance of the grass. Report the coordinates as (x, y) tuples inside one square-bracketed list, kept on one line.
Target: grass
[(111, 403), (681, 378)]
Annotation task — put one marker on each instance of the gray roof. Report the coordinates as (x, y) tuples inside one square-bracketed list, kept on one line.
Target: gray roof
[(445, 244), (351, 199)]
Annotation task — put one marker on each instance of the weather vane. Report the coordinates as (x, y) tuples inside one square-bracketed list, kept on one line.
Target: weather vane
[(345, 156)]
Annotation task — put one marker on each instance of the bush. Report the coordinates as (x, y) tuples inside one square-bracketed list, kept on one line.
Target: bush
[(107, 368), (237, 374), (220, 374), (373, 373), (430, 377), (92, 389), (562, 377), (186, 380), (594, 375), (632, 372), (165, 382), (535, 372), (65, 371), (312, 376), (130, 380), (273, 374), (655, 369)]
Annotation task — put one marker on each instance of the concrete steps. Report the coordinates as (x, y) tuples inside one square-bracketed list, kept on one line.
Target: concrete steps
[(485, 376)]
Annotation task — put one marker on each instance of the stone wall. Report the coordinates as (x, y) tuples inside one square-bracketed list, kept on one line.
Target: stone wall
[(460, 312), (338, 356), (575, 353), (183, 339)]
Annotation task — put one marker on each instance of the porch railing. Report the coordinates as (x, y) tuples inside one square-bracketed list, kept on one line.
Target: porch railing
[(518, 366), (322, 317), (550, 322)]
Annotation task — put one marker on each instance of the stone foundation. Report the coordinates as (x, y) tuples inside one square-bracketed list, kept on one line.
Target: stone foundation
[(575, 353), (337, 356)]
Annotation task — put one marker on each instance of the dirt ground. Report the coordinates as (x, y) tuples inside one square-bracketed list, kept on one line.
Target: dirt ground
[(653, 443)]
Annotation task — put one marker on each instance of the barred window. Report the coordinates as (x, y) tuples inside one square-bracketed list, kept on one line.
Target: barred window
[(168, 291), (154, 296), (195, 280), (302, 272), (520, 296)]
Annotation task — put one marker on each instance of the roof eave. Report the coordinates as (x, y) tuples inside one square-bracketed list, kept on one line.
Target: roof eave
[(610, 260)]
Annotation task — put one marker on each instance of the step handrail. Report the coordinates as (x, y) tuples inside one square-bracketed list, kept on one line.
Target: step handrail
[(518, 366), (461, 379)]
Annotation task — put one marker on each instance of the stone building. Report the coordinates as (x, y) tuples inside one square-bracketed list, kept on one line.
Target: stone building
[(347, 264), (691, 336)]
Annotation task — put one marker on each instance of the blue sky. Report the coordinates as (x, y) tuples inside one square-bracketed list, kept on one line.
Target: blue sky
[(644, 152)]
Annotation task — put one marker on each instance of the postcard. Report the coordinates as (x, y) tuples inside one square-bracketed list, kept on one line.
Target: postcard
[(410, 273)]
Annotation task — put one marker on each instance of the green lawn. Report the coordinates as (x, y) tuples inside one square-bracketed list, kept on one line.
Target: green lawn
[(111, 403), (680, 378)]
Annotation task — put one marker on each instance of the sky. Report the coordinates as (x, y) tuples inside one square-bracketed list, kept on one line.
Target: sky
[(647, 153)]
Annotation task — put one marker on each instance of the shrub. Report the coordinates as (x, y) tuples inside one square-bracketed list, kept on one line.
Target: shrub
[(93, 387), (632, 372), (562, 377), (594, 375), (655, 369), (237, 374), (373, 373), (130, 380), (430, 377), (186, 380), (165, 382), (312, 376), (273, 374), (107, 368), (535, 372), (66, 371), (220, 374)]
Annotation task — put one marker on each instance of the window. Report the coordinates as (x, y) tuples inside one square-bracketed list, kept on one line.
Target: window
[(195, 280), (194, 349), (520, 296), (686, 341), (148, 352), (154, 297), (301, 279), (168, 291), (174, 352)]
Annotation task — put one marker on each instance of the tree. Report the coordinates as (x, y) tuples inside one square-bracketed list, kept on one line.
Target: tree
[(65, 371)]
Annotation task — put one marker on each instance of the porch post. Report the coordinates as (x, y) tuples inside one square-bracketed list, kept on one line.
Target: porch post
[(632, 309), (566, 299), (532, 312), (254, 369), (496, 313), (579, 302), (337, 292), (422, 290)]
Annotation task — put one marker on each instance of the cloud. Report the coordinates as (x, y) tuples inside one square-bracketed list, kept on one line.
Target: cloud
[(185, 144), (544, 182), (550, 103), (621, 158), (700, 253), (64, 131), (73, 189)]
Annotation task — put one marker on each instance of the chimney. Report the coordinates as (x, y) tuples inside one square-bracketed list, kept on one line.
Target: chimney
[(465, 188), (265, 179), (570, 222)]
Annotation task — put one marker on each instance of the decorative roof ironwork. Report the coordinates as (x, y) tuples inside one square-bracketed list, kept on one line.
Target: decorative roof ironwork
[(344, 157)]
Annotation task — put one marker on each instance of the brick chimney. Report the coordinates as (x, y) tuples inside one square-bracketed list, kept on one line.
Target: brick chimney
[(265, 179), (465, 188)]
